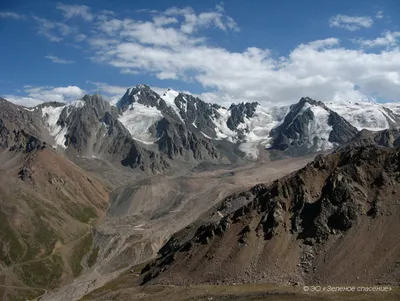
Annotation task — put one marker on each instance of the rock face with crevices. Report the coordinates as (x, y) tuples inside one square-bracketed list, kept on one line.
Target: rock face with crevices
[(385, 138), (340, 210), (176, 134), (311, 126)]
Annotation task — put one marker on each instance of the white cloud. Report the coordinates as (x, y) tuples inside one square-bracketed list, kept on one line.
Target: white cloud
[(388, 39), (163, 20), (129, 71), (23, 101), (320, 44), (69, 92), (71, 11), (110, 90), (80, 37), (322, 69), (12, 15), (37, 95), (54, 31), (379, 15), (193, 22), (58, 60), (351, 23)]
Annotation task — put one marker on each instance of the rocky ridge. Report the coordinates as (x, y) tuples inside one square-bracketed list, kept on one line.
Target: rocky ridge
[(294, 225)]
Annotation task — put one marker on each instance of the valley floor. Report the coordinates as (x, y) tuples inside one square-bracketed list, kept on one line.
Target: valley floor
[(145, 213), (126, 288)]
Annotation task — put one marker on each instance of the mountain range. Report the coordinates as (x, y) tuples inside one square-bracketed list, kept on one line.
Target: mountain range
[(88, 187), (149, 131)]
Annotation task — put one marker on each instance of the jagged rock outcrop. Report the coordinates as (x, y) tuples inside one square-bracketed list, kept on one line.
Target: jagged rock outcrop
[(387, 138), (19, 129), (197, 113), (175, 134), (311, 126), (239, 112)]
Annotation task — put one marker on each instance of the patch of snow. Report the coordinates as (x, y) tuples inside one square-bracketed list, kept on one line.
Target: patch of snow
[(205, 135), (305, 107), (388, 115), (138, 119), (258, 129), (222, 130), (113, 101), (361, 115), (169, 97), (319, 129), (184, 104), (30, 110), (77, 104), (51, 116), (394, 107)]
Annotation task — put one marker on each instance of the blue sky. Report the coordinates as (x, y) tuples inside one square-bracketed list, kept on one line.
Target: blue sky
[(266, 51)]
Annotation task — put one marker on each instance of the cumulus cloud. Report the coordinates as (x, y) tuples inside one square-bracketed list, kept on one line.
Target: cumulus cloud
[(172, 45), (388, 38), (351, 23), (71, 11), (58, 60), (322, 69), (12, 15), (23, 101), (38, 94)]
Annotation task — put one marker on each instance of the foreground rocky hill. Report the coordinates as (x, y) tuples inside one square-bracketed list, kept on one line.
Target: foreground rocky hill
[(335, 221)]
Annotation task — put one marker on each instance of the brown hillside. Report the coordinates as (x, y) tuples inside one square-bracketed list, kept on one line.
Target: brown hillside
[(47, 207)]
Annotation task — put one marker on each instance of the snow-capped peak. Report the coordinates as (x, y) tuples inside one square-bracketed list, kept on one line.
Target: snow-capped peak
[(169, 98)]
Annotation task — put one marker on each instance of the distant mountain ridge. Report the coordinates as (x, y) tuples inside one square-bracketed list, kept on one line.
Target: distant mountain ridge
[(148, 131)]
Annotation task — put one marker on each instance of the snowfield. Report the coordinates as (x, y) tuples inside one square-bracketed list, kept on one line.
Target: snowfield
[(319, 129), (362, 115), (221, 128), (258, 128), (169, 97), (138, 120), (51, 116)]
